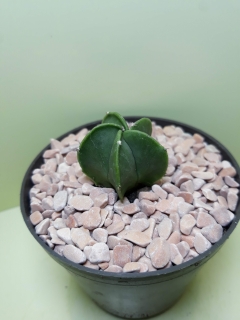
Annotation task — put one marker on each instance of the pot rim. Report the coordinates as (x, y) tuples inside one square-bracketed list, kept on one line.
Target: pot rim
[(201, 259)]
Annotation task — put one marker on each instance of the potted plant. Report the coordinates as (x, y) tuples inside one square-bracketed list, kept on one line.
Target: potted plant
[(189, 181)]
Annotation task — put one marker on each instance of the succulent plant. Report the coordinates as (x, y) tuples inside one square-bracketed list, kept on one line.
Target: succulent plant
[(114, 155)]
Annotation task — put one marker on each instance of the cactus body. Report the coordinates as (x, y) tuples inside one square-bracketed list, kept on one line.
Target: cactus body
[(113, 155)]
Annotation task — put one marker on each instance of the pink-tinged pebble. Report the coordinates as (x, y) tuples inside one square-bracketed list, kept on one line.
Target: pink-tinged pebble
[(59, 223), (204, 219), (74, 254), (101, 200), (198, 138), (148, 195), (79, 218), (184, 146), (143, 267), (81, 203), (65, 235), (112, 198), (209, 194), (163, 205), (187, 186), (202, 175), (56, 240), (122, 254), (71, 158), (137, 253), (35, 206), (232, 200), (149, 231), (174, 237), (187, 223), (103, 214), (176, 256), (71, 222), (95, 192), (165, 228), (162, 194), (114, 268), (100, 253), (198, 203), (103, 265), (100, 235), (50, 214), (222, 215), (60, 200), (184, 208), (224, 191), (188, 239), (113, 241), (201, 244), (47, 203), (222, 201), (55, 144), (198, 183), (36, 178), (87, 188), (131, 208), (139, 224), (136, 237), (148, 262), (183, 248), (158, 216), (42, 227), (36, 217), (188, 167), (116, 226), (218, 183), (192, 254), (213, 232), (132, 267), (175, 221), (182, 178), (231, 182), (187, 196), (92, 218), (90, 265), (159, 252), (147, 207), (212, 157), (50, 153), (230, 171), (170, 188), (81, 237), (59, 249)]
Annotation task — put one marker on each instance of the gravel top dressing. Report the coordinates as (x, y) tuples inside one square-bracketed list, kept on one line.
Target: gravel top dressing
[(179, 217)]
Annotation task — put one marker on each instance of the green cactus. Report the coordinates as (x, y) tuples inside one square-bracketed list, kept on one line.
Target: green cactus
[(114, 155)]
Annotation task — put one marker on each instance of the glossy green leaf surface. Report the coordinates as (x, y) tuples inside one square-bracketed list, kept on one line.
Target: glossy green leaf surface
[(122, 168), (115, 118), (150, 157), (144, 125), (95, 150)]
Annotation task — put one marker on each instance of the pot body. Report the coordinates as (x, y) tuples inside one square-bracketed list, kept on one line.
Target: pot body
[(137, 295)]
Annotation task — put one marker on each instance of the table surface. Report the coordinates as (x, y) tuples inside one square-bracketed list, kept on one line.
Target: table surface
[(33, 286)]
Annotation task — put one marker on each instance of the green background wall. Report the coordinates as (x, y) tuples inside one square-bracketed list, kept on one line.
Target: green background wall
[(64, 63)]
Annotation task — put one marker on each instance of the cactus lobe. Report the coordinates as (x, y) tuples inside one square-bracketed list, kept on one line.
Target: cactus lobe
[(113, 155)]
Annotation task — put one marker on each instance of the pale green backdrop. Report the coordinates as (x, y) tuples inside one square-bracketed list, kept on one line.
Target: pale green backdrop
[(64, 63)]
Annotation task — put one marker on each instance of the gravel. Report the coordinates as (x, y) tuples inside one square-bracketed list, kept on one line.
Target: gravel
[(178, 218)]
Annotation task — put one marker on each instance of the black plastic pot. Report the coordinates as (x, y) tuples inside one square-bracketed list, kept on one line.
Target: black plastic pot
[(137, 295)]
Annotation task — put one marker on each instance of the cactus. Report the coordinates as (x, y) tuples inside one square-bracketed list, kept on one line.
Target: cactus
[(114, 155)]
